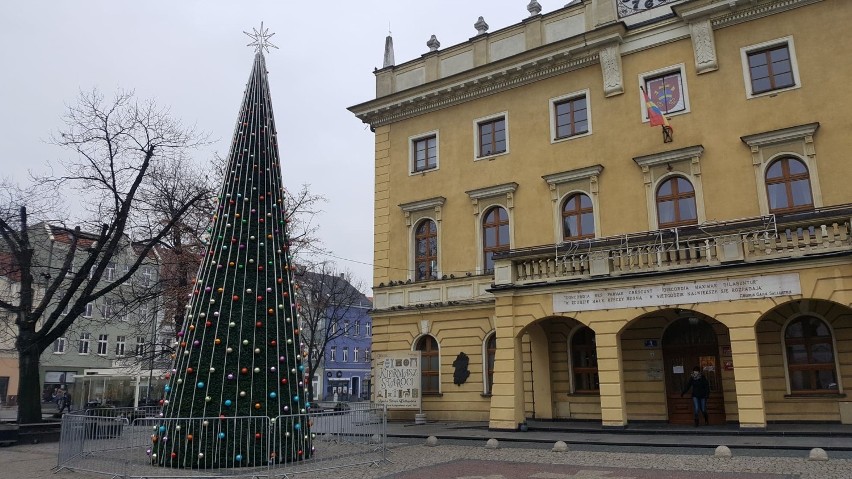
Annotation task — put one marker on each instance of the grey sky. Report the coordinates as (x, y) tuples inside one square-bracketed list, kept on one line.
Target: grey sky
[(191, 56)]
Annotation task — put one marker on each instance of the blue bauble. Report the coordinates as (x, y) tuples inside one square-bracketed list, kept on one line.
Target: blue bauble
[(239, 457), (221, 435), (200, 384), (228, 403)]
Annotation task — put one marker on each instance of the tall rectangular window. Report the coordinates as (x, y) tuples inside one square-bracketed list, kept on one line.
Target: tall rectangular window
[(425, 151), (367, 356), (147, 275), (109, 273), (492, 136), (357, 329), (355, 355), (571, 117), (102, 344), (59, 345), (119, 345), (333, 353), (87, 313), (140, 345), (84, 343), (369, 329), (109, 308), (346, 328), (345, 354)]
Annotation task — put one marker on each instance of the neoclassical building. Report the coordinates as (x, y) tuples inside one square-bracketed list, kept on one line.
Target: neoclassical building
[(529, 216)]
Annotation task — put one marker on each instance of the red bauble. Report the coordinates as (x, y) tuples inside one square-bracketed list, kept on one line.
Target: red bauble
[(257, 436), (236, 298), (244, 371), (259, 324)]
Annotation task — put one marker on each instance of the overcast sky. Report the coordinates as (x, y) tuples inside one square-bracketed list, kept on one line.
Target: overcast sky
[(192, 57)]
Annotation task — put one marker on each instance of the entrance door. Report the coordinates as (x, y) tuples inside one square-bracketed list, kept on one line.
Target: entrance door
[(687, 343)]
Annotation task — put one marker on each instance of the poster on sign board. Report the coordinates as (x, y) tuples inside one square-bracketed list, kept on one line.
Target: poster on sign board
[(396, 379)]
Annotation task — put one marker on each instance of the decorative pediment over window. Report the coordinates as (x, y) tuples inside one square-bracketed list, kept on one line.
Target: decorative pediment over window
[(692, 154), (507, 189), (589, 173), (422, 206)]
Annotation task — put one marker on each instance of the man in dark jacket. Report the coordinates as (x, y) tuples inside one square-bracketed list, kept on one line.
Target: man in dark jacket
[(700, 392)]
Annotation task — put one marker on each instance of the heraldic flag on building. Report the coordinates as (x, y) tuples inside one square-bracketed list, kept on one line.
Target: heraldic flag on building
[(655, 115)]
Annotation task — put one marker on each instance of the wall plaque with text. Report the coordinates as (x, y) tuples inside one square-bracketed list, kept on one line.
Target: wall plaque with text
[(679, 293)]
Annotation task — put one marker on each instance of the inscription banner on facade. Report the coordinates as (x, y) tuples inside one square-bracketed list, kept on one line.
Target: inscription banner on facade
[(679, 293), (397, 379)]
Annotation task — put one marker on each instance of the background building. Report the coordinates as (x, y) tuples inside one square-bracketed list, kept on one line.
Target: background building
[(527, 215)]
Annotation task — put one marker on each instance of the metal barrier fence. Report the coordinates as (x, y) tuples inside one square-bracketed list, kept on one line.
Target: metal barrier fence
[(114, 445)]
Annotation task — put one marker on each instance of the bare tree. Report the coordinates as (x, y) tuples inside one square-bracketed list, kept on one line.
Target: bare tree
[(117, 144), (327, 299)]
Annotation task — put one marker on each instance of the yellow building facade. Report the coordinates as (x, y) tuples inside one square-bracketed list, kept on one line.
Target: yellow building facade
[(533, 230)]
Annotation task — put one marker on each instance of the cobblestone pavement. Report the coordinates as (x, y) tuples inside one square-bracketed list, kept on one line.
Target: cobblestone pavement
[(474, 461)]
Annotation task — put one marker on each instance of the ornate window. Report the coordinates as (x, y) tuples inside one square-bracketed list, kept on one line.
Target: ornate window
[(495, 235), (430, 365), (810, 356), (788, 186), (578, 219), (676, 203), (584, 361), (426, 251), (490, 354)]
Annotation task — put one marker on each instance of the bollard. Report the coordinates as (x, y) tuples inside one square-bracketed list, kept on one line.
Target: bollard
[(818, 454), (492, 444), (431, 441), (560, 446), (722, 451)]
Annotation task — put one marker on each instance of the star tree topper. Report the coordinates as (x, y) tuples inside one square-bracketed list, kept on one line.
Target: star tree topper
[(261, 38)]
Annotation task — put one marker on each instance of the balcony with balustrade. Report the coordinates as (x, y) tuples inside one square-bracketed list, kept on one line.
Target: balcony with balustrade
[(817, 233)]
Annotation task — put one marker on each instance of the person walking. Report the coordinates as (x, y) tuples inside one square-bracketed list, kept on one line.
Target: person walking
[(700, 392), (65, 402)]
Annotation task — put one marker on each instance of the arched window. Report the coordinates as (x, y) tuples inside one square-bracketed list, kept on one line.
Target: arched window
[(426, 251), (495, 235), (788, 186), (810, 356), (430, 377), (490, 354), (676, 203), (578, 219), (584, 354)]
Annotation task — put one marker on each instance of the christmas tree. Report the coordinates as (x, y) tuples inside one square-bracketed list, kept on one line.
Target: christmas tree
[(236, 394)]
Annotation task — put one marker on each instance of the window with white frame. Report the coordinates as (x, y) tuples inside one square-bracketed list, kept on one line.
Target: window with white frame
[(109, 308), (667, 88), (770, 67), (354, 355), (333, 353), (119, 345), (140, 345), (491, 135), (87, 312), (147, 276), (357, 329), (59, 345), (346, 328), (367, 356), (345, 354), (369, 327), (83, 345), (423, 154), (569, 116), (102, 344), (109, 273)]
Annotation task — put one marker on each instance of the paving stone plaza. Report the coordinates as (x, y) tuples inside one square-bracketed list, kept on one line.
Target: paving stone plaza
[(472, 460)]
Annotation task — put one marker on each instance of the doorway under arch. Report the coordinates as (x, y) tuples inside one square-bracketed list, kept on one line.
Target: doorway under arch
[(689, 342)]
